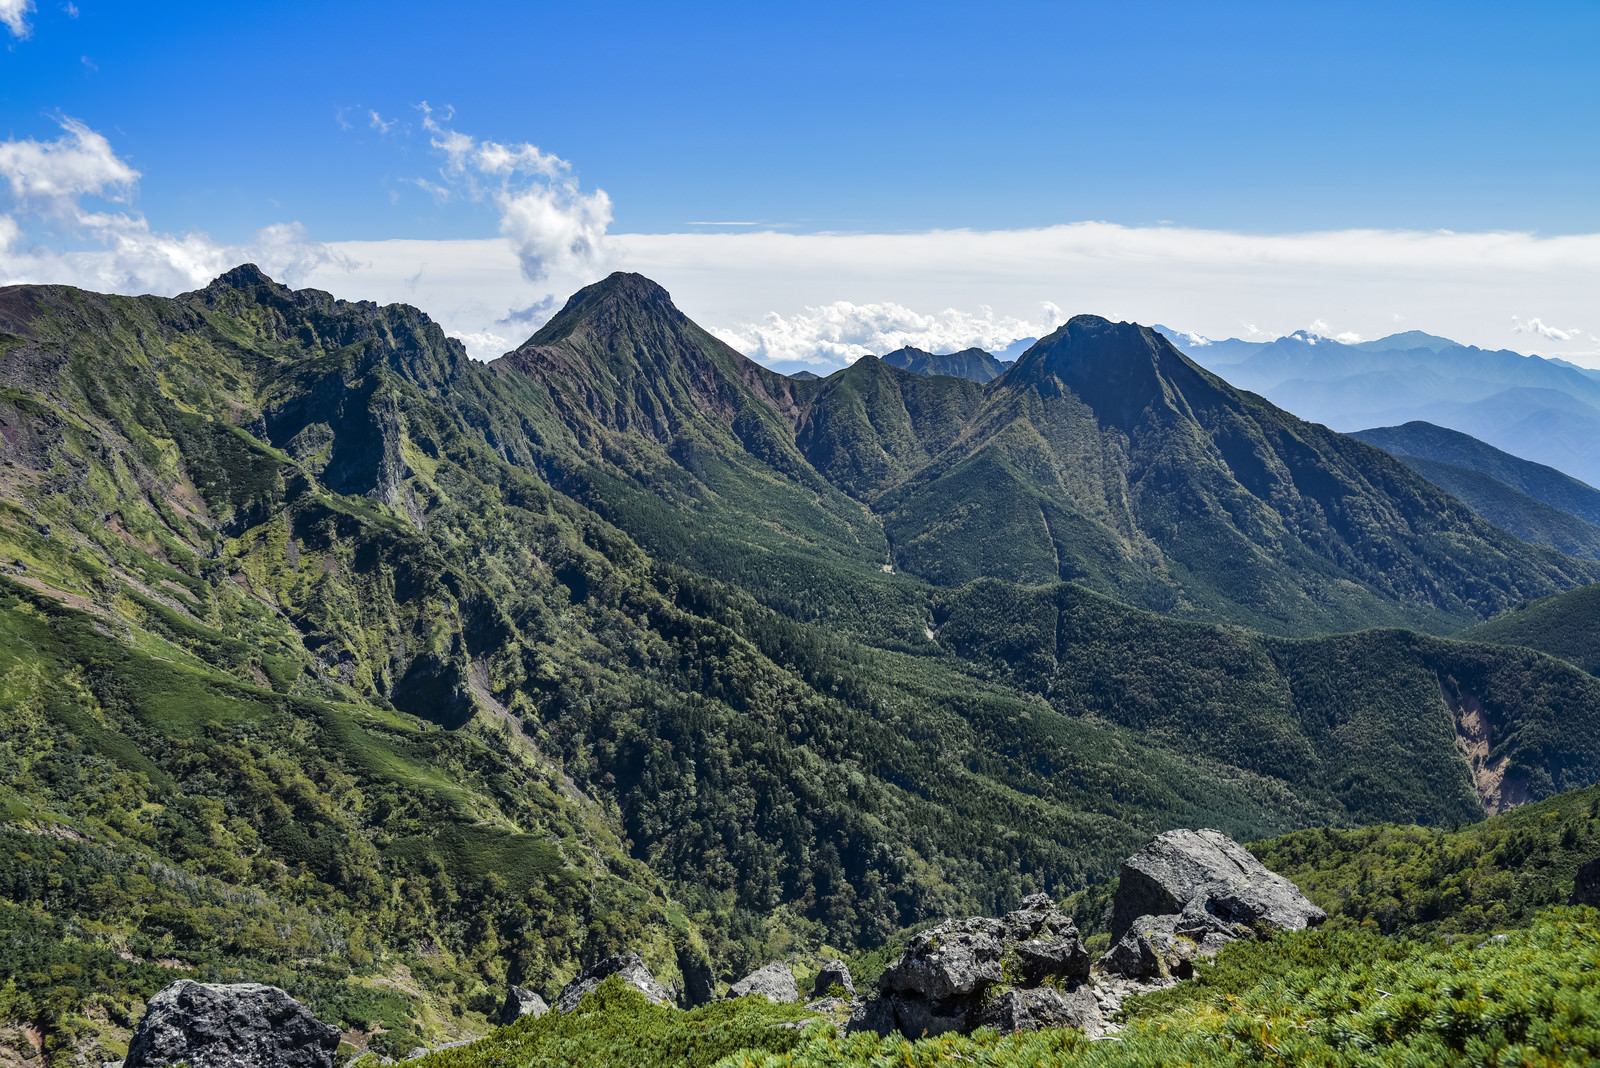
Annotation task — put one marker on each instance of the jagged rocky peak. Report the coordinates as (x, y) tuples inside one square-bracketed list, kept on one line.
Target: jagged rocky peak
[(244, 276)]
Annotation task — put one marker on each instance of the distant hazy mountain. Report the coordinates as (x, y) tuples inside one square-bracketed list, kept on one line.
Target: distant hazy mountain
[(1545, 410), (973, 364)]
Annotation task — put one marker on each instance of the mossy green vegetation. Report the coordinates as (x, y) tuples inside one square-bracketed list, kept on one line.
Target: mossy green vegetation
[(1326, 997), (615, 1024), (1477, 879)]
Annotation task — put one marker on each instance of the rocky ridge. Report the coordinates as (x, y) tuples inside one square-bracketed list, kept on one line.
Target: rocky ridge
[(1183, 897)]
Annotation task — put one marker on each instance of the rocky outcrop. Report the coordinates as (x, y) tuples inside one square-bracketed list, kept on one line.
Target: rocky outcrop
[(239, 1025), (627, 965), (520, 1002), (1189, 893), (772, 981), (833, 973), (1586, 887), (1019, 972)]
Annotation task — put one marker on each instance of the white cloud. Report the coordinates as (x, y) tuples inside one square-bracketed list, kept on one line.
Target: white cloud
[(841, 332), (49, 177), (53, 182), (1321, 329), (1541, 329), (554, 226), (379, 123), (485, 345), (14, 13)]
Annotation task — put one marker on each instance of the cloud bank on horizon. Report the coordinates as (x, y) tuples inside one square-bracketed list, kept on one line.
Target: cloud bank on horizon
[(816, 300)]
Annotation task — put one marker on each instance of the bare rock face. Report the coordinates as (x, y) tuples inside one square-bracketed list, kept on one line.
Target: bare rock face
[(1179, 866), (633, 972), (1189, 893), (1019, 972), (772, 981), (954, 959), (1029, 1009), (238, 1025), (834, 973), (520, 1002)]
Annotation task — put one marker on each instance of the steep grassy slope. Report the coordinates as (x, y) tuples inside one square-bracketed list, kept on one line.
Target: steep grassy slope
[(161, 819)]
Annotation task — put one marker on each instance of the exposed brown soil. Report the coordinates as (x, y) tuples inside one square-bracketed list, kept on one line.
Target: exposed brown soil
[(1489, 780)]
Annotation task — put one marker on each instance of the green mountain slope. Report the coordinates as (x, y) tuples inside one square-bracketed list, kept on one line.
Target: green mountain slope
[(1566, 625), (1371, 723), (1510, 509), (1477, 879), (871, 425), (1107, 457), (593, 647), (1536, 503), (1443, 445)]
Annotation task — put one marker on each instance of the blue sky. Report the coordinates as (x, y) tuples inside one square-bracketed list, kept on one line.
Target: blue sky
[(1242, 120)]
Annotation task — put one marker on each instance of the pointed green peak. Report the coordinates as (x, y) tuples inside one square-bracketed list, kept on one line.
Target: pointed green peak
[(608, 303)]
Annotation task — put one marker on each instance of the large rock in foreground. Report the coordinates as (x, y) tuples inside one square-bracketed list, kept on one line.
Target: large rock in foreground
[(627, 965), (1180, 866), (1017, 973), (1189, 893), (238, 1025)]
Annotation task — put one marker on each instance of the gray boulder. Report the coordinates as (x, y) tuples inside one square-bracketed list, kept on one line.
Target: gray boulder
[(627, 965), (772, 981), (520, 1002), (1028, 1009), (1586, 887), (237, 1025), (834, 973), (871, 1014), (958, 957), (1017, 972), (1189, 893), (1150, 949), (1180, 866)]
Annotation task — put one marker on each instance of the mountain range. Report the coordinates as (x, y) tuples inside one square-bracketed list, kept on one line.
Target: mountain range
[(479, 672), (1544, 410)]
